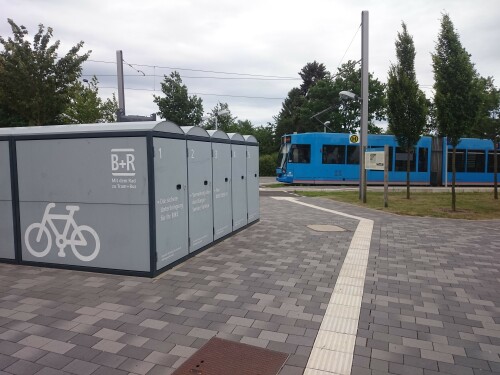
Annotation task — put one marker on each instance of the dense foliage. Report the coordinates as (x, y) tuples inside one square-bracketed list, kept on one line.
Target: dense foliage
[(177, 106), (406, 103), (35, 83), (87, 107), (457, 96), (299, 109)]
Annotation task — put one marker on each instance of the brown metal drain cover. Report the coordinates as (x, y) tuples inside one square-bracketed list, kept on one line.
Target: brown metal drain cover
[(223, 357)]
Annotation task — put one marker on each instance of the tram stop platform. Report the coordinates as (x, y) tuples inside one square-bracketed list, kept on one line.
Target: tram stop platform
[(337, 289)]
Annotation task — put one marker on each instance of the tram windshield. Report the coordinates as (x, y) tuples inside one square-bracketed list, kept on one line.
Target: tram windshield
[(282, 155)]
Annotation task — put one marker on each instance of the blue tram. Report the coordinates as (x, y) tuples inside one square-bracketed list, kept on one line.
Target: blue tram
[(330, 158)]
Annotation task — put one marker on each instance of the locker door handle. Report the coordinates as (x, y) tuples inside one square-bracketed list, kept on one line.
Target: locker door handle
[(256, 175), (226, 179), (179, 186), (205, 182), (242, 177)]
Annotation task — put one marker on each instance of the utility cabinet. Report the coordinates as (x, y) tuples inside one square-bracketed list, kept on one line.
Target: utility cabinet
[(221, 179)]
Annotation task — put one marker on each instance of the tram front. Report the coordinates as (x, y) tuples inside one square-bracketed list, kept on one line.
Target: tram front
[(282, 162)]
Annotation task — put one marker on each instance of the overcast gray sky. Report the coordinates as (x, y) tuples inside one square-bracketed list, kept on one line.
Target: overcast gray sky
[(262, 37)]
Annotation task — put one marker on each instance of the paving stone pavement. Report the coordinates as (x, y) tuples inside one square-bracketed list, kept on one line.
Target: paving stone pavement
[(431, 300)]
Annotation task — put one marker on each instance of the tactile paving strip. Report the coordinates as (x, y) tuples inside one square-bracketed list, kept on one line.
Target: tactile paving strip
[(223, 357)]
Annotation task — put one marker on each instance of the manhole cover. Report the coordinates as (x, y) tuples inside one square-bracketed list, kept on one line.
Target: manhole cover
[(223, 357), (325, 228)]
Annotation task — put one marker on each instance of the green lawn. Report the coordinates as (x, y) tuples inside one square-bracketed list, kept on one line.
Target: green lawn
[(473, 206)]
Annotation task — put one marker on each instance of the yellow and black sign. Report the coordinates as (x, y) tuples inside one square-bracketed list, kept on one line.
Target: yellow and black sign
[(354, 138)]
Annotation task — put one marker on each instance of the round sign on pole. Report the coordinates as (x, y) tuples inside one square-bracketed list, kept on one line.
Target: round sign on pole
[(354, 138)]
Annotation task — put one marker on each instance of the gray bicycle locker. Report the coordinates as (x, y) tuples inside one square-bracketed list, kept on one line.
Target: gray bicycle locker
[(90, 194), (238, 178), (252, 146), (171, 197), (199, 167), (7, 243), (221, 179)]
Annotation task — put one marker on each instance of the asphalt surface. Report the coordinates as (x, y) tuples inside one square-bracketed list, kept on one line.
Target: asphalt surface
[(430, 299)]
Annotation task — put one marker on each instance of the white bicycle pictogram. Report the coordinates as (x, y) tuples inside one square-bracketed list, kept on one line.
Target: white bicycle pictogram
[(81, 235)]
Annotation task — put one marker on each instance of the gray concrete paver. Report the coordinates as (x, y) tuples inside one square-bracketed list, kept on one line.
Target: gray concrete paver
[(431, 301)]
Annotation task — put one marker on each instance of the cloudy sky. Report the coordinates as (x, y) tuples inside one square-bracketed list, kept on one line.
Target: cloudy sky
[(248, 53)]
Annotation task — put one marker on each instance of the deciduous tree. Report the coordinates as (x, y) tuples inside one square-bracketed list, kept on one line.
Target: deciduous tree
[(456, 99), (86, 107), (35, 82), (488, 126), (177, 106), (406, 103)]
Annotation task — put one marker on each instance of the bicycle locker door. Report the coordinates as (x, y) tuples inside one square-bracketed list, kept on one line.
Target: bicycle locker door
[(252, 178), (6, 217), (83, 197), (239, 184), (199, 156), (170, 200), (221, 167)]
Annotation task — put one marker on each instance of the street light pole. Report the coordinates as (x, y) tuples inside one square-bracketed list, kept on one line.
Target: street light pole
[(217, 114), (364, 104), (121, 89)]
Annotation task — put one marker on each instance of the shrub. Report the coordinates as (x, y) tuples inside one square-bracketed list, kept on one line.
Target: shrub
[(267, 165)]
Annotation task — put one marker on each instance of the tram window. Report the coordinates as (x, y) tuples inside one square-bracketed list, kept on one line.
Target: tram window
[(391, 157), (283, 154), (423, 159), (352, 154), (300, 154), (333, 154), (491, 160), (459, 160), (401, 156), (475, 160)]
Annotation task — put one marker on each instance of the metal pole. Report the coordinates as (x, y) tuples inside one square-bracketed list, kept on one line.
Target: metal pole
[(216, 122), (121, 91), (445, 162), (364, 102)]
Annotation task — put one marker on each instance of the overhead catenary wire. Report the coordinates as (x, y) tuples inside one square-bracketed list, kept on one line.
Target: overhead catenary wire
[(197, 70), (349, 46), (201, 93), (133, 67), (195, 77)]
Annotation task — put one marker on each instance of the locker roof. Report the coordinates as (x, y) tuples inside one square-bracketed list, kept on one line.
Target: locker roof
[(250, 139), (218, 134), (141, 126), (236, 137), (195, 131)]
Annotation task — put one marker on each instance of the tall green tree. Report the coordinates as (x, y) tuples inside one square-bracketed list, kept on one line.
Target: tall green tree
[(348, 77), (488, 126), (456, 97), (310, 74), (288, 119), (406, 103), (268, 142), (225, 122), (35, 83), (86, 107), (177, 106), (298, 109)]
